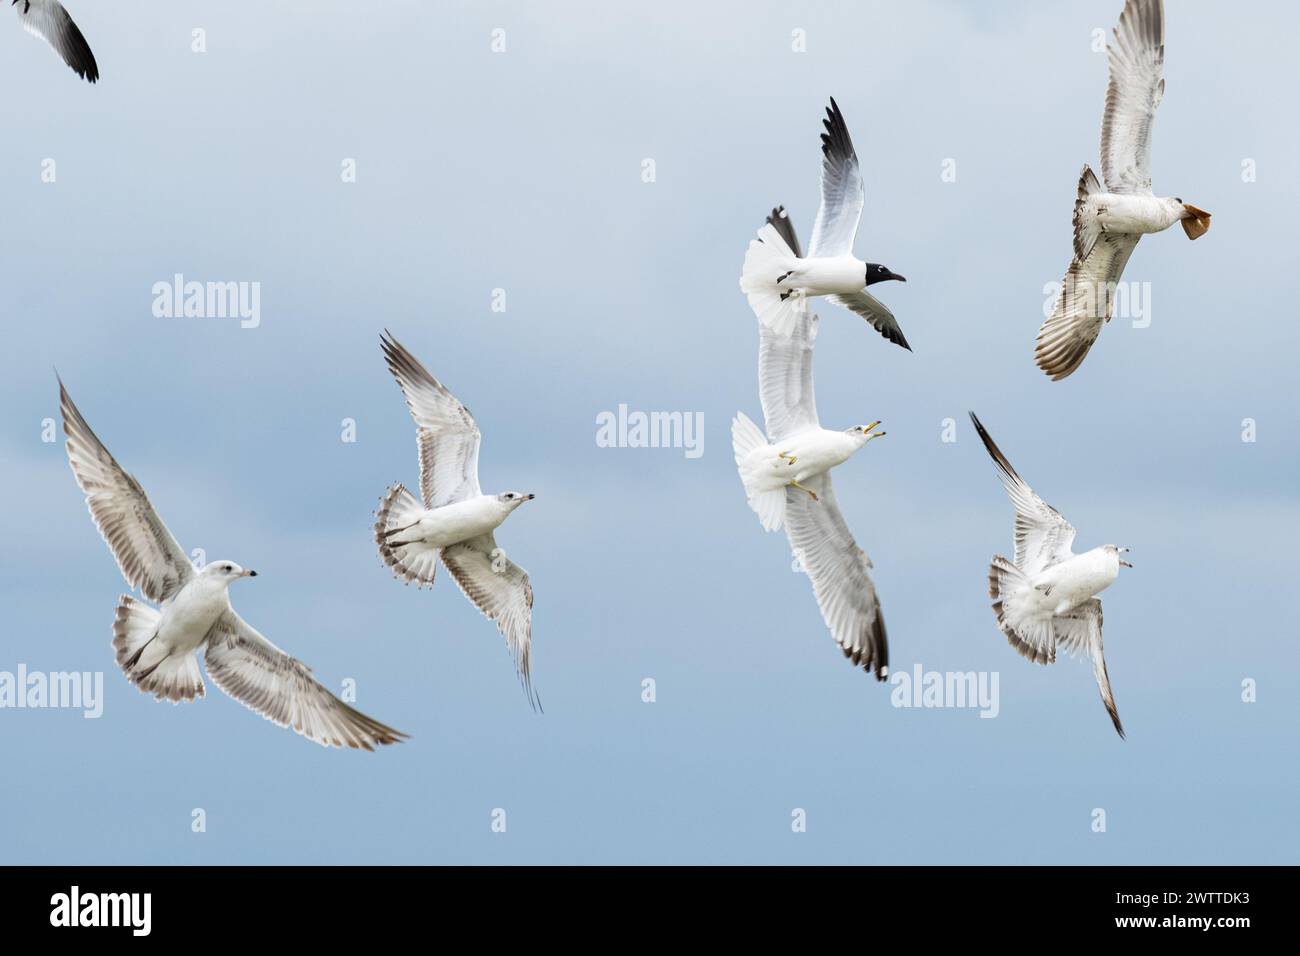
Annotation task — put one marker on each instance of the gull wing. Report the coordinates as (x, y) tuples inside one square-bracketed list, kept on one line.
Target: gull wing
[(840, 573), (1079, 631), (874, 311), (1043, 537), (447, 434), (1137, 62), (1086, 303), (501, 590), (48, 20), (147, 554), (842, 194), (780, 221), (785, 376), (281, 688)]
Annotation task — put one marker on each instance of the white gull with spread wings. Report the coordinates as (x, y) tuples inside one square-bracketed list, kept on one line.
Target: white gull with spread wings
[(1108, 223), (155, 647), (1047, 596), (456, 520)]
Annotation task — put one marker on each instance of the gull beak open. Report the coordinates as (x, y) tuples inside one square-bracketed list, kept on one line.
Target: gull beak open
[(529, 497), (1196, 223), (1122, 562)]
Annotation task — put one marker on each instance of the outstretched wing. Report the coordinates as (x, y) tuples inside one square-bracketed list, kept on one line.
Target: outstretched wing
[(1137, 61), (1079, 632), (840, 573), (48, 20), (1043, 537), (447, 433), (780, 221), (842, 195), (1085, 304), (785, 377), (265, 679), (874, 311), (147, 554), (501, 590)]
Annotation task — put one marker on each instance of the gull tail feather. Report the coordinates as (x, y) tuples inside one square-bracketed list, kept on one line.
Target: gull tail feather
[(768, 258), (410, 561), (768, 504), (1010, 589), (145, 663)]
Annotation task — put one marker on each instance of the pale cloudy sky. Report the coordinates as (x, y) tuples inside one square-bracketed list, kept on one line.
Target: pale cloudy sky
[(522, 171)]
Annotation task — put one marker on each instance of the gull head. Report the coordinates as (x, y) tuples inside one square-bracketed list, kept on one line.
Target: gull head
[(878, 273), (513, 499), (863, 433), (1196, 222), (1117, 551), (227, 571)]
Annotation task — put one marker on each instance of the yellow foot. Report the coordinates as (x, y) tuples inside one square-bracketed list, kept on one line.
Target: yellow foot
[(790, 459), (795, 484)]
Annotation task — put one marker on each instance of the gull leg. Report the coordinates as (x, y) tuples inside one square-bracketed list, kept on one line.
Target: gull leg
[(795, 484), (790, 459)]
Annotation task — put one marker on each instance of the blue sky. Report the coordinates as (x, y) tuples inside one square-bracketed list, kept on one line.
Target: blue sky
[(522, 171)]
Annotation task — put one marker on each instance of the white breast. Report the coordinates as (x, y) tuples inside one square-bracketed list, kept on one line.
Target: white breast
[(817, 450), (830, 276), (188, 617), (1067, 585), (1133, 214), (461, 521)]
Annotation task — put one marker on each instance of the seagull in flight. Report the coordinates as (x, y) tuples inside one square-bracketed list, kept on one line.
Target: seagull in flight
[(456, 521), (48, 20), (1109, 222), (155, 647), (1047, 596), (787, 482), (777, 275)]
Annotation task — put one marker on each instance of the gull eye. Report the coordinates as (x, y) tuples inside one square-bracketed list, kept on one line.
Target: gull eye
[(1178, 199)]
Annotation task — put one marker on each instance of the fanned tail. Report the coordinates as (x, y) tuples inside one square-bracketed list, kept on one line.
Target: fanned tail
[(768, 504), (768, 259), (410, 561), (146, 664), (1031, 637)]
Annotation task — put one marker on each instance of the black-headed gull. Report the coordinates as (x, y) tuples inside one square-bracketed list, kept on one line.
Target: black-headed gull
[(155, 647), (456, 520), (1047, 596), (776, 273), (1109, 222)]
